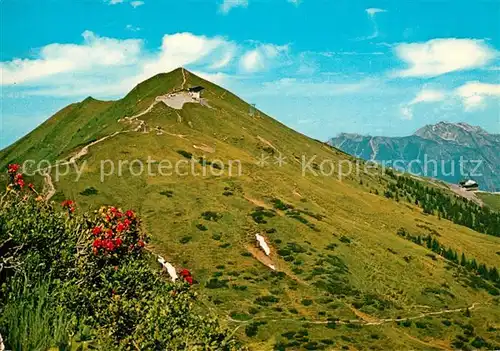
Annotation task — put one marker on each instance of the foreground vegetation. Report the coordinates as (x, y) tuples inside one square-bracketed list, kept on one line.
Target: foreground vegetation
[(86, 280)]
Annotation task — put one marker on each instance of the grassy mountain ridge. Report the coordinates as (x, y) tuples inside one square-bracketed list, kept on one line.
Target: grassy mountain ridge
[(343, 274)]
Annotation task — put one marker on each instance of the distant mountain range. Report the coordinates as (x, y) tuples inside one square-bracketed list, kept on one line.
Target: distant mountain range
[(447, 151)]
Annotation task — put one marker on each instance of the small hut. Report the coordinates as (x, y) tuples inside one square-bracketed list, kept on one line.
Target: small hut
[(469, 185), (195, 92)]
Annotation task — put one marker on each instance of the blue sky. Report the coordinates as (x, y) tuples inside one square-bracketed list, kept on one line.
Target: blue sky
[(321, 67)]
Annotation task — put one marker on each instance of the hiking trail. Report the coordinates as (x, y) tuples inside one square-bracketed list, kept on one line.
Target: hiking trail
[(362, 321)]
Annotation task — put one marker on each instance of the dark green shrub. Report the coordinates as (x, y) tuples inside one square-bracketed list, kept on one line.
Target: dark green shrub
[(266, 300), (167, 193), (185, 239), (211, 216), (201, 227), (420, 325), (89, 191), (253, 310), (251, 329), (259, 213), (331, 246), (446, 322), (186, 154), (345, 239), (280, 205), (240, 287), (215, 283)]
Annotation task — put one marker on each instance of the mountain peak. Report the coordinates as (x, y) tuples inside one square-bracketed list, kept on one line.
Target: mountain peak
[(449, 131)]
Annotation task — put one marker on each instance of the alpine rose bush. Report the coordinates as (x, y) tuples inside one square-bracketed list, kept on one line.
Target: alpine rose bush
[(116, 233), (95, 272)]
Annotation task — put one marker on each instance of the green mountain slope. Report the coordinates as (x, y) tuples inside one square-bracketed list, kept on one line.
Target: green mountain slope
[(349, 270)]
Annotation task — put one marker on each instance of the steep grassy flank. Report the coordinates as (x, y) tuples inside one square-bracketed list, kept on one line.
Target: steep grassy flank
[(491, 200), (343, 274), (74, 125)]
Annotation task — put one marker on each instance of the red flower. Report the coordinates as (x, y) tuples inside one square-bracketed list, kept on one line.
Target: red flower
[(130, 214), (189, 279), (118, 242), (120, 227), (13, 168), (31, 186), (185, 273), (127, 222), (97, 243), (108, 245), (140, 243), (96, 231), (69, 205), (18, 180), (109, 233)]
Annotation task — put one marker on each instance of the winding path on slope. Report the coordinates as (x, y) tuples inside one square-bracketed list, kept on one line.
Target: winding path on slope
[(85, 150), (184, 80), (361, 321)]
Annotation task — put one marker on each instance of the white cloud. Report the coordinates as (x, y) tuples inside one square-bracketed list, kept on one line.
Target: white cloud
[(227, 5), (295, 2), (373, 10), (258, 59), (439, 56), (114, 2), (62, 58), (423, 96), (473, 94), (136, 4), (428, 95), (371, 14), (107, 67), (252, 61), (225, 60)]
